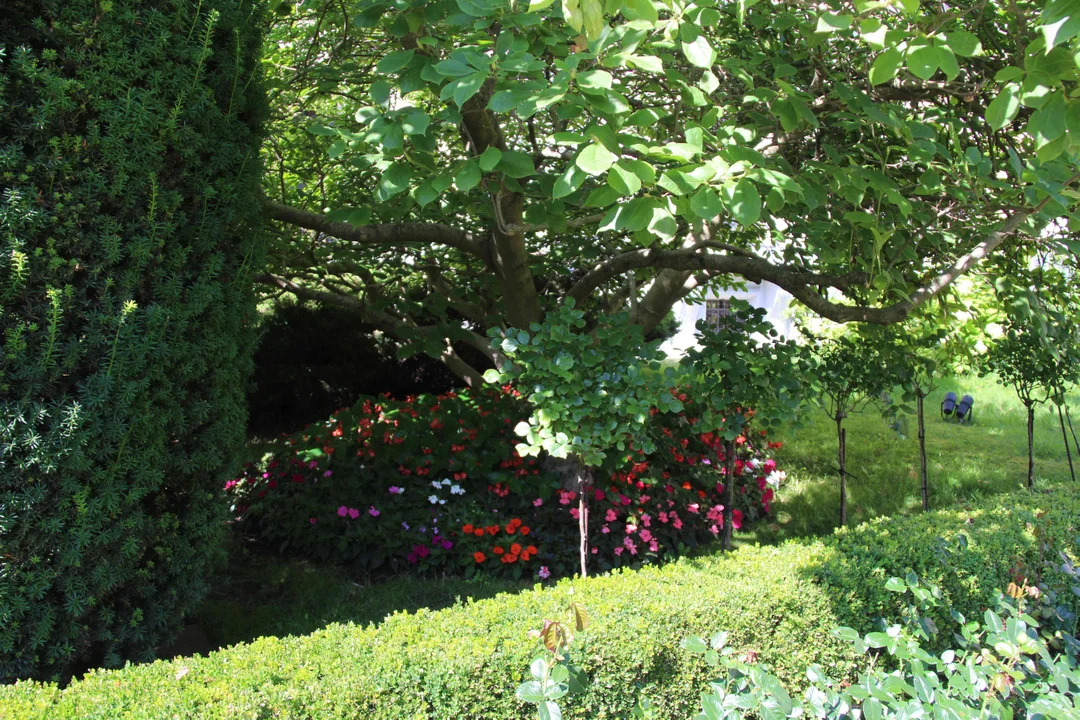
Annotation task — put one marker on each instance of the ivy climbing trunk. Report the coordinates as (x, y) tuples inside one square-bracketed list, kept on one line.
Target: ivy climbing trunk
[(729, 492), (922, 453), (1031, 444), (841, 437), (1065, 439)]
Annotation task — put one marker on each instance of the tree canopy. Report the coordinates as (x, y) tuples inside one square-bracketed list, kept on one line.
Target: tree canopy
[(442, 168)]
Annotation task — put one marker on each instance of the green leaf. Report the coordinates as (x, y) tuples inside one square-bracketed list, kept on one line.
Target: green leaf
[(1004, 107), (623, 181), (595, 159), (468, 86), (831, 22), (550, 711), (963, 43), (516, 164), (468, 176), (380, 92), (490, 158), (531, 692), (594, 80), (699, 52), (640, 10), (922, 61), (568, 182), (395, 61), (885, 65), (538, 5), (744, 204), (946, 60), (695, 645), (706, 203)]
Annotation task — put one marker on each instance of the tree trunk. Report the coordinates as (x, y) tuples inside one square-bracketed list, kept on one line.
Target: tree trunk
[(1031, 445), (1068, 418), (583, 482), (922, 455), (1065, 438), (841, 436), (729, 493)]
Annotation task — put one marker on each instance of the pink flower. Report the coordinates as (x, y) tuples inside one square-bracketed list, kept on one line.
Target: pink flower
[(354, 513), (646, 520), (230, 485), (714, 529), (421, 551), (373, 512), (653, 546), (769, 466), (313, 464), (676, 523), (631, 528), (594, 551), (624, 500), (693, 507), (605, 529), (618, 551), (645, 536), (328, 473), (395, 490), (736, 518), (761, 483), (598, 494), (543, 573), (610, 516), (343, 511), (313, 520), (663, 516), (537, 503)]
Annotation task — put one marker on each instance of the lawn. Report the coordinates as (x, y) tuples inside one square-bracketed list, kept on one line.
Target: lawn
[(265, 596)]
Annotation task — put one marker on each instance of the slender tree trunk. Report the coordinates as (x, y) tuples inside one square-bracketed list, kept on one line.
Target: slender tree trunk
[(922, 454), (729, 492), (584, 482), (841, 436), (1031, 445), (1068, 419), (1065, 438)]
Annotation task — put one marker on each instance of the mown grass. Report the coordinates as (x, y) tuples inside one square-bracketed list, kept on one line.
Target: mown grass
[(964, 461), (261, 596)]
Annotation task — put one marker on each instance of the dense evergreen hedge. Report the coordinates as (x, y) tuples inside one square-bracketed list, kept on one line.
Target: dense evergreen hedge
[(128, 176), (780, 602)]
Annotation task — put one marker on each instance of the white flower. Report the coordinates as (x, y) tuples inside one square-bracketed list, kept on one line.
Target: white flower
[(432, 499), (436, 484), (456, 490), (776, 477), (442, 502), (446, 481)]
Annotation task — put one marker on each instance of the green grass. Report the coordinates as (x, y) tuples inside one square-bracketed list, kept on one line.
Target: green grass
[(964, 461), (260, 595)]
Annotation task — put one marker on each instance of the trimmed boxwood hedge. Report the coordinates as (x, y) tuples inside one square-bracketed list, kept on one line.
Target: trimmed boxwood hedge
[(780, 602)]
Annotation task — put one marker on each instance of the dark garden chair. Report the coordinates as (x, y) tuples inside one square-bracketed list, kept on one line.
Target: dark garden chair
[(964, 411), (948, 405)]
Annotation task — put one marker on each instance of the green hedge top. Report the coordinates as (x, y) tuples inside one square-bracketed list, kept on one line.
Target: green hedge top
[(780, 602)]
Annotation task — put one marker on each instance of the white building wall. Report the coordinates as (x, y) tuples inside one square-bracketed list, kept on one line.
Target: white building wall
[(774, 300)]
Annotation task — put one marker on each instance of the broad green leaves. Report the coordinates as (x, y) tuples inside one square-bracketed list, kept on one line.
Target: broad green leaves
[(595, 159)]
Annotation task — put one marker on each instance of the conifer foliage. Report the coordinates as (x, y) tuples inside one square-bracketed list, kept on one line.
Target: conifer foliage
[(128, 177)]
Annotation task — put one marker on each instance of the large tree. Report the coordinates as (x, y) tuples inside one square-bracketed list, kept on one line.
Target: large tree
[(443, 167)]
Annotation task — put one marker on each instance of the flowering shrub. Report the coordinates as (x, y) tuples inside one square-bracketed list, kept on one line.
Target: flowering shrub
[(434, 483)]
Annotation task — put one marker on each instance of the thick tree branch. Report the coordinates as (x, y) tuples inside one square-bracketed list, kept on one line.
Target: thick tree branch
[(384, 322), (391, 234), (805, 286)]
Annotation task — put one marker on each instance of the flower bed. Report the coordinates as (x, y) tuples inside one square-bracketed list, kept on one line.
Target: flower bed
[(434, 482)]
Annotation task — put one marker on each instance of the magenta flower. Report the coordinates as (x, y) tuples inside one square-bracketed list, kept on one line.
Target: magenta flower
[(538, 502), (343, 511), (605, 529), (354, 513), (395, 490), (328, 473), (618, 551), (373, 512), (313, 520), (645, 536), (574, 513), (610, 516), (543, 573)]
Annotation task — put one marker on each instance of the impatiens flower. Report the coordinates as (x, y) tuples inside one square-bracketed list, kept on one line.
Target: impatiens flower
[(313, 520), (543, 573), (625, 500), (598, 494), (343, 511), (456, 490), (421, 550), (524, 530), (618, 550), (395, 490), (328, 473), (631, 528), (610, 516), (354, 513), (574, 513), (646, 519), (676, 522), (645, 536), (479, 556), (653, 546), (605, 529), (373, 512), (404, 525), (436, 484), (433, 499), (537, 502)]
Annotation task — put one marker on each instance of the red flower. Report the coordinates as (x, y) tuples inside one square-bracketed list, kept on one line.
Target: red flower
[(515, 549), (497, 550), (479, 556), (467, 528), (493, 529), (524, 530), (478, 532)]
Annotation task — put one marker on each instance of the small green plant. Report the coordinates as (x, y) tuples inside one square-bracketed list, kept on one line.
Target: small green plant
[(553, 676), (1008, 664), (591, 391)]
